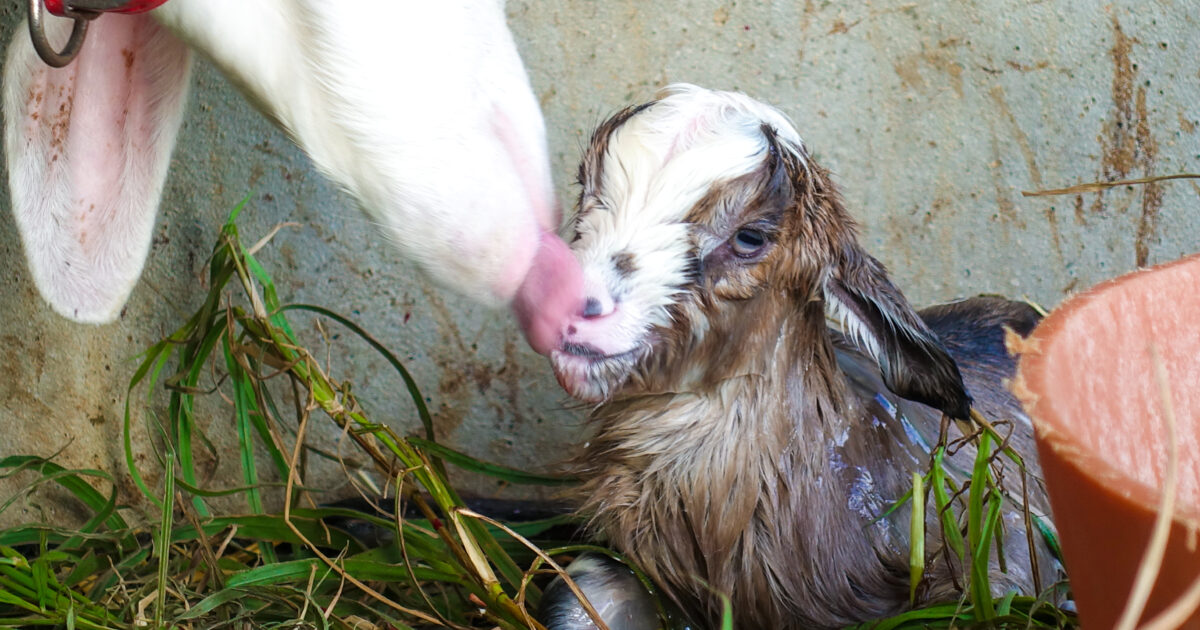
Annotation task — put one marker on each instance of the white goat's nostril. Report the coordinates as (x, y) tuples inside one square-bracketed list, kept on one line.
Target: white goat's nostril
[(593, 308)]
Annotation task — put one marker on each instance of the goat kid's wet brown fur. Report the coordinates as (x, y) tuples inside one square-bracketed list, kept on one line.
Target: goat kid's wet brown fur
[(760, 477)]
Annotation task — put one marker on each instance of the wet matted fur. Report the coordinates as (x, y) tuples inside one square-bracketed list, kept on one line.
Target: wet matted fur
[(744, 445)]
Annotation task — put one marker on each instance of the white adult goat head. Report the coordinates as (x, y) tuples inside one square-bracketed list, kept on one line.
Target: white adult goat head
[(421, 110)]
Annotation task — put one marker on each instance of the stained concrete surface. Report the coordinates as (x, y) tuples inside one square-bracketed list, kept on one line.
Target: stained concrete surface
[(934, 117)]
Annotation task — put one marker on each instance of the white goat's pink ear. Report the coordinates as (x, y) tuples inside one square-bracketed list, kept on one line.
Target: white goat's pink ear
[(88, 148)]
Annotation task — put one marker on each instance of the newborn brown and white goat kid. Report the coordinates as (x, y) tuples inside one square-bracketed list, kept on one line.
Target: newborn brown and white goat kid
[(743, 446)]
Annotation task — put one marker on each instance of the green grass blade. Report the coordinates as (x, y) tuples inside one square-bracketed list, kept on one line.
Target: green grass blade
[(726, 613), (257, 414), (932, 617), (979, 543), (243, 406), (155, 357), (265, 527), (163, 540), (362, 568), (72, 481), (409, 383), (231, 221), (270, 297), (1004, 607), (85, 567), (511, 475), (41, 578), (182, 404), (946, 514), (1049, 535), (916, 545)]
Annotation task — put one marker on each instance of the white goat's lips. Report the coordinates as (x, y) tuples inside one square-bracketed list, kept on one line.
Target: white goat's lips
[(589, 375)]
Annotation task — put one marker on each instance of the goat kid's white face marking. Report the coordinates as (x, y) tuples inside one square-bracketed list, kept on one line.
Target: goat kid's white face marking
[(637, 249)]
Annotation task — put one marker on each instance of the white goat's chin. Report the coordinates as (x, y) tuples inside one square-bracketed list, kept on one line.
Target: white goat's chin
[(592, 378)]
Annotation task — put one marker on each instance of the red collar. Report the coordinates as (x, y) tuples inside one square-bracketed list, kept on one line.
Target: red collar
[(68, 8)]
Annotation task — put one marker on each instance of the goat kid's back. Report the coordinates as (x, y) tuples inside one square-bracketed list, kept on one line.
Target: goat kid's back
[(744, 446)]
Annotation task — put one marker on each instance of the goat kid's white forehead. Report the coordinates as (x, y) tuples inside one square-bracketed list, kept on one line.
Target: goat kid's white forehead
[(664, 159)]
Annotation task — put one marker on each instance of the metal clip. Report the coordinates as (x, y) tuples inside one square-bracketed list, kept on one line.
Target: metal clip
[(37, 33)]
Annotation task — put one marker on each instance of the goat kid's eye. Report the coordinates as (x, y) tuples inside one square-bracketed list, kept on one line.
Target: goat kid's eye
[(747, 242)]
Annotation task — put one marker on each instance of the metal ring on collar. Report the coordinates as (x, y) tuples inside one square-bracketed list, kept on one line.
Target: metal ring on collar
[(45, 50)]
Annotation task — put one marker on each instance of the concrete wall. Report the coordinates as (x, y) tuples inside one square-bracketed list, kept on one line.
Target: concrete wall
[(934, 116)]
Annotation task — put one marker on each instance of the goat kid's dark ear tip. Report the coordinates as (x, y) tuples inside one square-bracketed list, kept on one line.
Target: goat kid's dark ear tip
[(959, 409), (951, 400), (956, 402)]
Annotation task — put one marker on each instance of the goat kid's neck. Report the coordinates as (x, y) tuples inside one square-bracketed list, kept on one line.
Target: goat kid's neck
[(746, 480), (771, 382)]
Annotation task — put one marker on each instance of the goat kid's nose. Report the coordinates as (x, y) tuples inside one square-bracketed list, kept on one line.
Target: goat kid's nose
[(595, 308)]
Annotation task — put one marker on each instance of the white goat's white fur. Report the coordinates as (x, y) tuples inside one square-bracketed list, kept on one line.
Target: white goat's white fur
[(421, 110)]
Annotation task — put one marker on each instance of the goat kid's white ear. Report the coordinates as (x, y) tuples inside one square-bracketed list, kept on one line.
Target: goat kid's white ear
[(874, 314), (88, 147)]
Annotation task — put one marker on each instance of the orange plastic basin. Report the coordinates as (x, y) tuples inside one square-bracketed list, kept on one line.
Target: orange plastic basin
[(1088, 381)]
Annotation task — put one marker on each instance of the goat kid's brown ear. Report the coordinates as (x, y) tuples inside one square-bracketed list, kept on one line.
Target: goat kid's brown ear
[(877, 317)]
